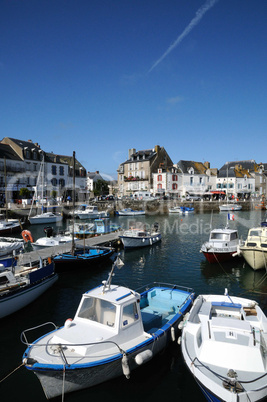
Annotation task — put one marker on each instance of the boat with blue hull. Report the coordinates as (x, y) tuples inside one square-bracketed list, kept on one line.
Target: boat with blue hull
[(224, 345), (82, 257), (21, 285), (114, 331)]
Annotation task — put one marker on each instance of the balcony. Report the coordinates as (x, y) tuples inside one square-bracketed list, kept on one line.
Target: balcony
[(137, 178)]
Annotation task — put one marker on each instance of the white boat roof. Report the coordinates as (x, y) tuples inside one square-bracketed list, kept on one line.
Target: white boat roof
[(115, 294), (223, 230)]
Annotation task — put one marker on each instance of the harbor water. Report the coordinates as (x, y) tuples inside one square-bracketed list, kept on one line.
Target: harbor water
[(176, 259)]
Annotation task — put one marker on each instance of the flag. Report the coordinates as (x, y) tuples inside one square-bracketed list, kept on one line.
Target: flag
[(231, 217)]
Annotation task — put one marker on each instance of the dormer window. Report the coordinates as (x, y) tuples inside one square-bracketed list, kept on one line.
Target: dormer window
[(191, 170)]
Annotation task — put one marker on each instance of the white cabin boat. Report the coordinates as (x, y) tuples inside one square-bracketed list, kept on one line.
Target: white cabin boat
[(254, 251), (130, 212), (88, 212), (114, 331), (230, 207), (224, 345), (45, 217)]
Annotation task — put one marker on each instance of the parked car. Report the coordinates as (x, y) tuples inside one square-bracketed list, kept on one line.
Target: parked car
[(192, 197), (110, 197)]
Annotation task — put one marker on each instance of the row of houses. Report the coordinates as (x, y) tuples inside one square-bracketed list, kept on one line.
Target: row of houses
[(20, 163), (153, 170), (150, 170)]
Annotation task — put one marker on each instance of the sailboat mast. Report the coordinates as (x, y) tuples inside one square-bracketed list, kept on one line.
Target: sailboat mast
[(73, 201), (5, 185)]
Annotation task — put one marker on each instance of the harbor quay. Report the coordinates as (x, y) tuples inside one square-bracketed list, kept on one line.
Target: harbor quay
[(153, 207)]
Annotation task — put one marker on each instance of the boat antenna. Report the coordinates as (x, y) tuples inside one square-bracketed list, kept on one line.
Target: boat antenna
[(117, 263), (73, 202)]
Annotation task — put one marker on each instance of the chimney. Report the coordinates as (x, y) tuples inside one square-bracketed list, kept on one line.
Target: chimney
[(207, 165), (97, 171), (157, 148), (130, 152)]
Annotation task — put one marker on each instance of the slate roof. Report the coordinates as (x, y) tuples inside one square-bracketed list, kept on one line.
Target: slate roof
[(7, 152), (238, 168), (144, 155), (198, 167)]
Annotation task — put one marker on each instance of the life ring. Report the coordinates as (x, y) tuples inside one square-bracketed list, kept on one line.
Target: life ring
[(27, 236)]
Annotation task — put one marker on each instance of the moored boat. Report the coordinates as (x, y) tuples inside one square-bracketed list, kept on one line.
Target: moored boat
[(230, 207), (114, 331), (46, 217), (9, 226), (254, 251), (135, 238), (181, 210), (130, 212), (23, 284), (224, 346), (84, 211)]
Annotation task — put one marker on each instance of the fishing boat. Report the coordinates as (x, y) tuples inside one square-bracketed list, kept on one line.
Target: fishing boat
[(181, 210), (23, 284), (114, 331), (130, 212), (50, 240), (137, 237), (84, 211), (222, 245), (224, 346), (82, 257), (254, 251)]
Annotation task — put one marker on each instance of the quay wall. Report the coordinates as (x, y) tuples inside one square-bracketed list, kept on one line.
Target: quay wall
[(155, 207)]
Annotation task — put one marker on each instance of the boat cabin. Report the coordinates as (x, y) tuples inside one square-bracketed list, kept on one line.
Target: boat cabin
[(222, 237)]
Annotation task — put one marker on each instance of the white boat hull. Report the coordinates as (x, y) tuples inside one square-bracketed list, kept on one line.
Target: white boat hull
[(230, 207), (44, 219), (17, 301), (256, 258), (92, 216), (135, 242)]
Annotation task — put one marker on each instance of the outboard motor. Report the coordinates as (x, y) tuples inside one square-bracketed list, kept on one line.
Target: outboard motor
[(49, 231)]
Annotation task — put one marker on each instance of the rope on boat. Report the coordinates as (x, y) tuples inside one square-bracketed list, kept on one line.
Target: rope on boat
[(12, 372)]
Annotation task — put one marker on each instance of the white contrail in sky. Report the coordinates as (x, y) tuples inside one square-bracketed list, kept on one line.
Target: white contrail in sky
[(199, 14)]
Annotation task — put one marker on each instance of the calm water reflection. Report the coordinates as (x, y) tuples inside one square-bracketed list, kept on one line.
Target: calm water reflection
[(175, 260)]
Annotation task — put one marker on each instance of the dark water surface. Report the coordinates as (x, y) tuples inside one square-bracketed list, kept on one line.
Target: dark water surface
[(175, 260)]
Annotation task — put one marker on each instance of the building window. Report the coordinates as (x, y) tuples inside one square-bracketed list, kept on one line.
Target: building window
[(174, 177), (54, 182), (61, 170), (159, 177), (61, 182), (159, 186), (191, 181), (174, 186), (54, 169)]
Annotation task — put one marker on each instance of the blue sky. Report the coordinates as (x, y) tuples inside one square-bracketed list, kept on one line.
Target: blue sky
[(101, 76)]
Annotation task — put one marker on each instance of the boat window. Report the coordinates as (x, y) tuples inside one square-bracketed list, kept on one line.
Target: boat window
[(264, 245), (249, 244), (3, 280), (129, 314), (255, 233), (220, 236), (233, 236), (98, 310)]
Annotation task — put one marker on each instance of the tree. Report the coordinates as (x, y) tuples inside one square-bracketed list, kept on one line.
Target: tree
[(24, 193), (101, 187)]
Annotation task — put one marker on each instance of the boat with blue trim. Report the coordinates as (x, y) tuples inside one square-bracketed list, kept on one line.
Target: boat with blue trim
[(114, 331), (224, 345)]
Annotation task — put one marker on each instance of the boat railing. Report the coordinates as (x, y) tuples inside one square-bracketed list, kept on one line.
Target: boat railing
[(23, 337)]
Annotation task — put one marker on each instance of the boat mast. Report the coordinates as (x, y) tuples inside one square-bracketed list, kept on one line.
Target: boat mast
[(5, 185), (73, 202)]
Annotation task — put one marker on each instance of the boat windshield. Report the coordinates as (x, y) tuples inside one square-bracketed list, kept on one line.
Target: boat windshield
[(255, 233), (101, 311), (219, 236)]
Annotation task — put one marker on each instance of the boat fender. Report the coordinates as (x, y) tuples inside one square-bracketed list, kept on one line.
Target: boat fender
[(27, 236), (181, 325), (125, 366), (173, 334), (143, 357), (68, 323), (179, 340)]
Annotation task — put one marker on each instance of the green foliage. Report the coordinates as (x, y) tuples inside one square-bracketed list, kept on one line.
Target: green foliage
[(100, 187), (24, 193)]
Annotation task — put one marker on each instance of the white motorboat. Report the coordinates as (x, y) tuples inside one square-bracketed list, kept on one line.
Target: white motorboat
[(46, 217), (254, 251), (88, 212), (50, 240), (23, 284), (224, 345), (130, 212), (10, 226), (230, 207), (135, 238), (114, 331)]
